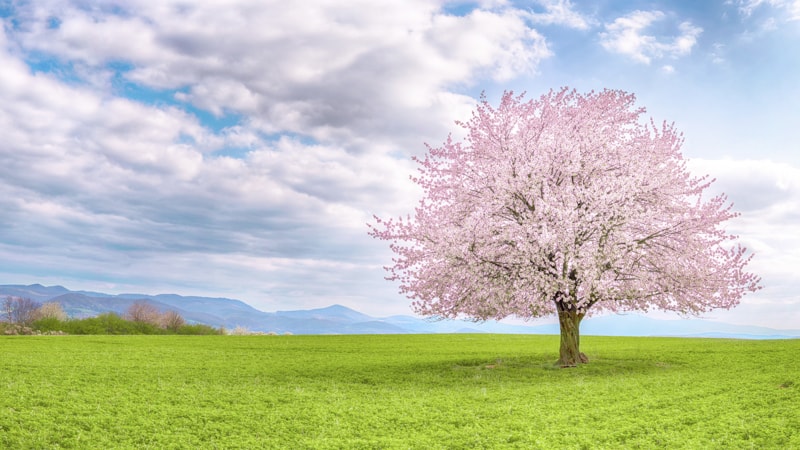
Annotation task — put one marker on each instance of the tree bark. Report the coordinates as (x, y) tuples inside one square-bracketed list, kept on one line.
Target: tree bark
[(569, 321)]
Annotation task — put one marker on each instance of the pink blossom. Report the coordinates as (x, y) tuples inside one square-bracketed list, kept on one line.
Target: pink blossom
[(567, 201)]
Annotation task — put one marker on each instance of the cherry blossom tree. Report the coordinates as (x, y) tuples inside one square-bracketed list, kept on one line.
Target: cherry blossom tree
[(51, 310), (172, 320), (144, 312), (564, 205)]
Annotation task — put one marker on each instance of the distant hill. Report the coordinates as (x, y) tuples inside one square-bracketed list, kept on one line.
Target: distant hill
[(338, 319), (217, 312), (34, 292)]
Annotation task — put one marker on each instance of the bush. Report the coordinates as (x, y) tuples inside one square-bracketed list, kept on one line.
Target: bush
[(105, 324), (101, 324), (108, 323), (46, 324), (198, 329), (240, 331), (16, 329)]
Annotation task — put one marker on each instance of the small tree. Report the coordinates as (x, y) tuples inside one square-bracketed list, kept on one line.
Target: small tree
[(172, 320), (8, 308), (143, 312), (20, 310), (50, 310), (561, 206)]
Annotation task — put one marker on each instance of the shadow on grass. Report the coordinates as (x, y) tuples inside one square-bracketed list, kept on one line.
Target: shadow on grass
[(596, 366), (515, 369)]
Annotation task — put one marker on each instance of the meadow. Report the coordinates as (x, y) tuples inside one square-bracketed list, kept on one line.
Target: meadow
[(396, 391)]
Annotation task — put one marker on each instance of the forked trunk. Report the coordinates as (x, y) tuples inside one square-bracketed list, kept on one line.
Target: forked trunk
[(569, 321)]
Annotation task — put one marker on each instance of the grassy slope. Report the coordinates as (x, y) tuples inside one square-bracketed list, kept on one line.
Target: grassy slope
[(419, 391)]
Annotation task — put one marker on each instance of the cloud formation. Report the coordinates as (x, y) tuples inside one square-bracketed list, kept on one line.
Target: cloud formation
[(324, 97), (349, 73), (628, 36), (789, 9), (560, 12), (767, 194)]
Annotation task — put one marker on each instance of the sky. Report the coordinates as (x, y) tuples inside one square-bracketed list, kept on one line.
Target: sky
[(238, 148)]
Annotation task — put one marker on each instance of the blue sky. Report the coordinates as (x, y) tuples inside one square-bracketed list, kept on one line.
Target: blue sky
[(239, 149)]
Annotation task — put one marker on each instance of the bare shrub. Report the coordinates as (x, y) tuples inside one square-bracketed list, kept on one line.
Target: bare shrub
[(20, 310), (14, 329), (8, 309), (172, 320), (141, 311), (50, 310)]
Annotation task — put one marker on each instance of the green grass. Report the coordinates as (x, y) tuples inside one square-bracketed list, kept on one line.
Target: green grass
[(419, 391)]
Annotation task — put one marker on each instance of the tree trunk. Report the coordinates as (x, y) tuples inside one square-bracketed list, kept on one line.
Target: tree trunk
[(569, 321)]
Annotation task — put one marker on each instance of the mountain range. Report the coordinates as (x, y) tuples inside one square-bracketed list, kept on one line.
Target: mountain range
[(337, 319)]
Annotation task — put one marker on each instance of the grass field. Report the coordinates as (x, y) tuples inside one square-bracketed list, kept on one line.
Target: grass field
[(404, 391)]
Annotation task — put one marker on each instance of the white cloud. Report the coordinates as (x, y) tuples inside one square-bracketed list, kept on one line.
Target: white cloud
[(117, 189), (718, 53), (755, 186), (560, 12), (776, 10), (338, 72), (767, 194), (329, 94), (627, 35), (498, 42), (748, 7)]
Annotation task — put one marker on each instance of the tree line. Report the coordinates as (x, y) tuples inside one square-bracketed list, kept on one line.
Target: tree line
[(20, 315)]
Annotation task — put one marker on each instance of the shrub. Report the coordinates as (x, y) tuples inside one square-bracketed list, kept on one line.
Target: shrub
[(89, 325), (105, 324), (240, 331), (198, 329), (46, 324)]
